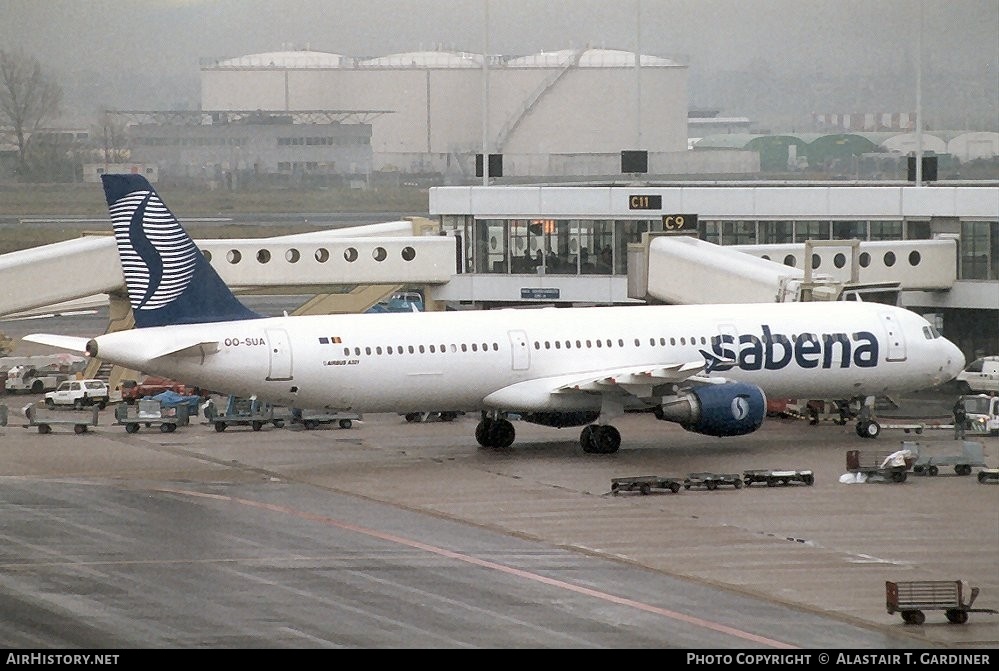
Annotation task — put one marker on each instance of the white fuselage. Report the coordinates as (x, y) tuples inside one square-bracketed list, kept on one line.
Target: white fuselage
[(469, 360)]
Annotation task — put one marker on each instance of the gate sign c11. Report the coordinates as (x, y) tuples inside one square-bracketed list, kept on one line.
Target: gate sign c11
[(679, 223), (645, 202)]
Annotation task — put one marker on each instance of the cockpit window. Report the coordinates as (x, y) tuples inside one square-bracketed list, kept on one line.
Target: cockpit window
[(930, 332)]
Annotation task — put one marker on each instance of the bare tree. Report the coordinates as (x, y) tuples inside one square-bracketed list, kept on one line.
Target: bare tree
[(28, 99)]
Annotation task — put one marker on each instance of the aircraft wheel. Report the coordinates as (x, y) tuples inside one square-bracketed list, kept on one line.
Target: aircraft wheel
[(606, 439), (587, 440), (220, 426), (501, 434), (345, 424), (482, 430), (131, 427)]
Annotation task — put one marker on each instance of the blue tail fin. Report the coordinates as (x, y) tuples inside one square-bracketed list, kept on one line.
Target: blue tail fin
[(168, 279)]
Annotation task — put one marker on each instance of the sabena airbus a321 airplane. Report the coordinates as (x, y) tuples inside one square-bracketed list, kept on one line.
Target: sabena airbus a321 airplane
[(709, 368)]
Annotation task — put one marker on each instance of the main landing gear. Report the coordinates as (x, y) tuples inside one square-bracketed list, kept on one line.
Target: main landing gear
[(498, 432), (600, 439)]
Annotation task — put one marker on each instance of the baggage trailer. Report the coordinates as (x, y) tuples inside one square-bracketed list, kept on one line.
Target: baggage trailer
[(243, 412), (893, 466), (772, 478), (645, 484), (972, 454), (988, 475), (313, 419), (712, 480), (911, 598), (150, 412), (81, 421)]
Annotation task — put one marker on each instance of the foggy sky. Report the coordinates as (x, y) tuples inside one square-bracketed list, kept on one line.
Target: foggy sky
[(773, 60)]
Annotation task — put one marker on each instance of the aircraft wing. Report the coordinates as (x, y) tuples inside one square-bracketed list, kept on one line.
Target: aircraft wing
[(641, 382), (637, 381), (71, 343)]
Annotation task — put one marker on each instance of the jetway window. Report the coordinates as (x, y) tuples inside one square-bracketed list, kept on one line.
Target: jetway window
[(889, 259), (839, 260), (864, 259), (408, 253), (379, 254), (207, 254), (350, 255), (789, 260), (233, 256), (322, 255), (816, 261), (292, 256), (263, 256), (914, 258)]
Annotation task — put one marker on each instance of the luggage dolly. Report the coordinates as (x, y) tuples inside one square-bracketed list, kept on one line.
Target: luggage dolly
[(645, 484), (774, 478), (988, 475), (911, 598), (712, 480), (80, 421)]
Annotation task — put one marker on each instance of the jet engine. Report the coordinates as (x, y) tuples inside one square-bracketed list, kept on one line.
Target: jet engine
[(728, 409)]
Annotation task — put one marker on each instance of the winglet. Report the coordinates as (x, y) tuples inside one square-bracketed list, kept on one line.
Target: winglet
[(168, 279)]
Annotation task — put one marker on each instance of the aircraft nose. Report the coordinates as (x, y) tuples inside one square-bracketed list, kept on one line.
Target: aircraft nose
[(955, 361)]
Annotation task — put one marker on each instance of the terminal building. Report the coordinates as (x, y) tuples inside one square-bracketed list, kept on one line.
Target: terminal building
[(932, 249)]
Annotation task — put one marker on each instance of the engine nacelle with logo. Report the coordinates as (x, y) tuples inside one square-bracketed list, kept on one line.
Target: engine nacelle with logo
[(728, 409)]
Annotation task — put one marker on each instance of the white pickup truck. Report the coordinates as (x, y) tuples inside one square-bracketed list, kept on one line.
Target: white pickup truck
[(79, 393)]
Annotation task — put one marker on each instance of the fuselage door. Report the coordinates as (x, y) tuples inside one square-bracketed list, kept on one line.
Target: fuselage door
[(896, 339), (280, 355), (521, 353)]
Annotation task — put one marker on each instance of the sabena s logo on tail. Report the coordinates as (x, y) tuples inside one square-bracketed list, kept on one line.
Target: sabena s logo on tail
[(168, 279)]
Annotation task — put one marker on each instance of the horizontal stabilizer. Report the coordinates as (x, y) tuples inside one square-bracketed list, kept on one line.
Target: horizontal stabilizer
[(70, 343)]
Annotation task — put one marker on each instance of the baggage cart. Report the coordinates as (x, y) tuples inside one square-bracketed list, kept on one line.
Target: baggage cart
[(150, 412), (645, 484), (712, 480), (972, 455), (80, 420), (313, 419), (988, 475), (911, 598), (772, 477), (890, 466), (243, 412)]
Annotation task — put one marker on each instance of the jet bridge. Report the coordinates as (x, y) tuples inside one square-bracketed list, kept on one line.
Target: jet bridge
[(338, 262)]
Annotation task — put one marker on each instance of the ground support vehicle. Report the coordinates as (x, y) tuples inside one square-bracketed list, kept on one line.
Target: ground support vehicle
[(988, 475), (81, 421), (712, 480), (911, 598), (243, 412), (646, 484), (79, 393), (972, 454), (149, 412), (772, 478), (313, 419), (981, 413), (27, 379), (889, 466), (151, 385)]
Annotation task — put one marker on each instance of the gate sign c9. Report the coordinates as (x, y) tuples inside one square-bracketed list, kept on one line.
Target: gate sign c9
[(679, 222)]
